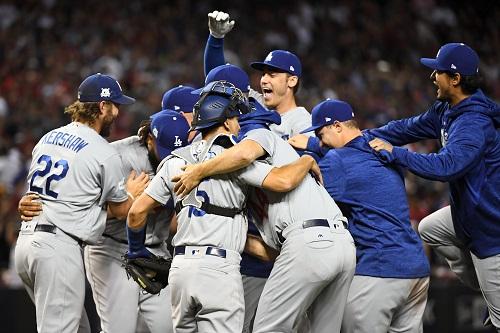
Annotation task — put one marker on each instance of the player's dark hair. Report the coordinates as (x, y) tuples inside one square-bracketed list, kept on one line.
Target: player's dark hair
[(469, 83), (144, 130), (83, 112)]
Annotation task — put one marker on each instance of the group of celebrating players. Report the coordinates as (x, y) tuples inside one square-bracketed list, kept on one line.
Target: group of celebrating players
[(282, 220)]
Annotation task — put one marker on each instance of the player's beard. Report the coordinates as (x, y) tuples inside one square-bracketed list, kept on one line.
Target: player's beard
[(107, 122), (153, 160)]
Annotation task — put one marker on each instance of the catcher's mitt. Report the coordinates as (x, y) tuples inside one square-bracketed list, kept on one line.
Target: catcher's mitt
[(150, 273)]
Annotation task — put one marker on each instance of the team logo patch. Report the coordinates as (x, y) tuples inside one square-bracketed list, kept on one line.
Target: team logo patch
[(269, 57), (177, 142), (105, 92), (155, 132)]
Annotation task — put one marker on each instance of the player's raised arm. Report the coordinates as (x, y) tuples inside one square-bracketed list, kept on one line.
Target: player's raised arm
[(219, 24)]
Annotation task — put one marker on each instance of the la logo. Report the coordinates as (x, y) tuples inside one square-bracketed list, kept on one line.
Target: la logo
[(177, 142)]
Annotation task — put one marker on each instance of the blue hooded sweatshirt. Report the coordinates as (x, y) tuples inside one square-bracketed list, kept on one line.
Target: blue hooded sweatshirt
[(469, 160)]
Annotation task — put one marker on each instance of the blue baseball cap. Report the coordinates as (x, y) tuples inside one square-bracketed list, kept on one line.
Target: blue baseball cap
[(170, 130), (283, 61), (179, 99), (328, 112), (229, 73), (99, 87), (455, 58)]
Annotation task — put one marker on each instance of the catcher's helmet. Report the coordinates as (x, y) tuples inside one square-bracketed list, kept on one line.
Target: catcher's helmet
[(219, 100)]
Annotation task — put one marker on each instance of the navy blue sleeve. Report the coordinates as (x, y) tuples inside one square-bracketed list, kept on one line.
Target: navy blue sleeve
[(214, 53), (314, 146), (404, 131), (466, 144), (332, 170)]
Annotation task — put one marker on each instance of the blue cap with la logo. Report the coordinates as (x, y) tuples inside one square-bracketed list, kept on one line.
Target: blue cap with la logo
[(280, 60), (99, 87), (170, 130)]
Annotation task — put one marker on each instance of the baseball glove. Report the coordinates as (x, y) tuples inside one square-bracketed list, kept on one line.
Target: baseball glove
[(150, 273)]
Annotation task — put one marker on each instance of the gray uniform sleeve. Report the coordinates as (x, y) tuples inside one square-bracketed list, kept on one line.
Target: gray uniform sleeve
[(264, 138), (255, 173), (113, 180), (160, 188)]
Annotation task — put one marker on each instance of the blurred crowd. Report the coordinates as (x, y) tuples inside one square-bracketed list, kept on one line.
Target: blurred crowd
[(364, 52)]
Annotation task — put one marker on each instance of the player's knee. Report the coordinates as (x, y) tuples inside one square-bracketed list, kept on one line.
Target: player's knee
[(426, 228)]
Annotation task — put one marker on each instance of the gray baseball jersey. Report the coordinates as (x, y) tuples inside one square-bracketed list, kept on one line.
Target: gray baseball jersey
[(292, 122), (197, 232), (308, 201), (317, 259), (195, 227), (76, 171), (120, 303), (135, 157)]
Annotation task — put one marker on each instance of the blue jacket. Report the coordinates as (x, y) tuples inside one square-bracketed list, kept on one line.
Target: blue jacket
[(469, 160), (372, 196)]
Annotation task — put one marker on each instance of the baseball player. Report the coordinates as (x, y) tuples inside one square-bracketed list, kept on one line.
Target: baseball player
[(281, 71), (254, 271), (114, 293), (391, 263), (317, 259), (467, 123), (119, 300), (76, 174), (211, 230)]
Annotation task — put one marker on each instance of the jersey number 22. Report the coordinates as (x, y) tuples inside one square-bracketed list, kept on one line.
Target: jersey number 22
[(53, 177)]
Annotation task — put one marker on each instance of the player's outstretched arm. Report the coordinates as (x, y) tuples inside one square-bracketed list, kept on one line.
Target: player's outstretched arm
[(256, 247), (232, 159), (135, 186), (288, 177), (29, 207)]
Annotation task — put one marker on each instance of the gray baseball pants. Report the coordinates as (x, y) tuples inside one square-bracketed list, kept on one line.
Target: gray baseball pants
[(438, 231), (119, 300), (312, 273), (51, 268), (381, 305), (207, 292)]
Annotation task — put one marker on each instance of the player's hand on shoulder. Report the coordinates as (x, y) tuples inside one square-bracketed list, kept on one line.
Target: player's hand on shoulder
[(186, 181), (136, 183), (219, 23), (299, 141), (29, 207), (379, 144)]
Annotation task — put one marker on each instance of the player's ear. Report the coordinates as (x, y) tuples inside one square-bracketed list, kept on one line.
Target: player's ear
[(103, 106), (455, 79), (292, 81)]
